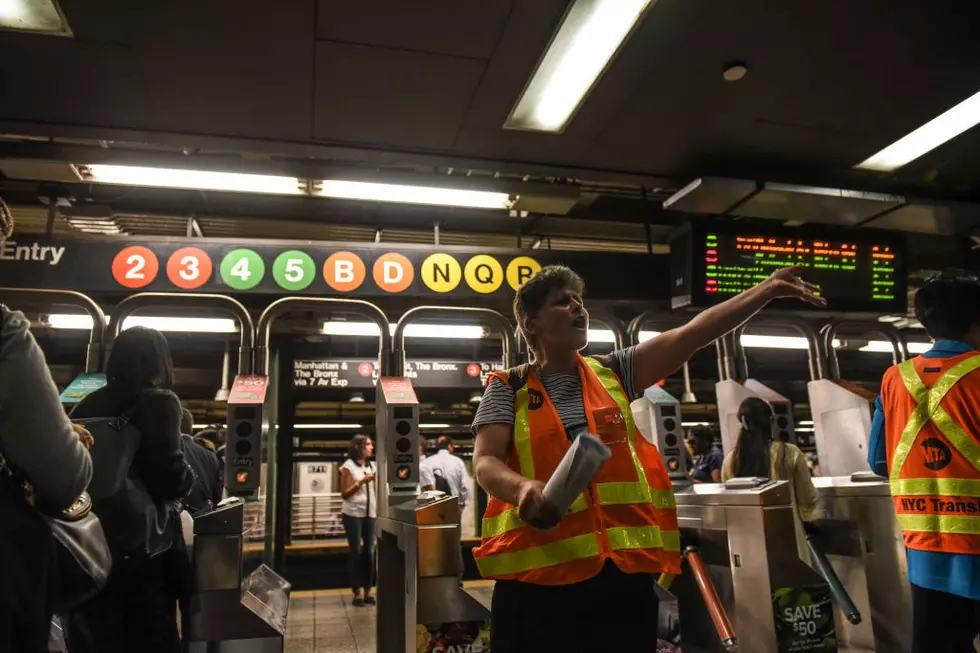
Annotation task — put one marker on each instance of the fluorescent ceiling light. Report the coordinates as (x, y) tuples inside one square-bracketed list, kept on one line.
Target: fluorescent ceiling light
[(359, 190), (435, 426), (929, 136), (588, 38), (606, 335), (884, 346), (806, 422), (182, 324), (94, 225), (39, 16), (192, 179), (695, 423), (446, 331), (316, 427), (646, 335), (777, 342)]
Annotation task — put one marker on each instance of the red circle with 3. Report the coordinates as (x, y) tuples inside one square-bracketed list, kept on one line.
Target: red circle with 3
[(189, 268), (365, 369), (135, 267), (473, 370)]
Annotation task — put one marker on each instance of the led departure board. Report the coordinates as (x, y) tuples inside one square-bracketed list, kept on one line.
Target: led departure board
[(855, 271)]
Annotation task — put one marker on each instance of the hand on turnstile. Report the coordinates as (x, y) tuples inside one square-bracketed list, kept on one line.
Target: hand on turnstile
[(534, 508)]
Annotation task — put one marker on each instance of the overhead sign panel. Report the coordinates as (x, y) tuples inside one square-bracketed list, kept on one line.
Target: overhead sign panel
[(360, 373), (269, 267)]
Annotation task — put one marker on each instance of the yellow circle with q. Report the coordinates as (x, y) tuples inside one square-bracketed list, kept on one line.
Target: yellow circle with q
[(441, 273), (520, 270), (483, 274)]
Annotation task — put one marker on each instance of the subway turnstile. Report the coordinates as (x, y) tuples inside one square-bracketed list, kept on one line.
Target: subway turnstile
[(860, 536), (748, 547)]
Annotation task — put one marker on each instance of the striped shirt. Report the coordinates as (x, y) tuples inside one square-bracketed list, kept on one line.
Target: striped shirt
[(564, 390)]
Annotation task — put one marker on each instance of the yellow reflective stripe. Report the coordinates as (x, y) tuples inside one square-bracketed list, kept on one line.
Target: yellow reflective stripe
[(643, 537), (510, 520), (957, 437), (954, 525), (950, 378), (950, 487), (573, 548), (611, 384), (522, 434), (916, 421), (611, 494)]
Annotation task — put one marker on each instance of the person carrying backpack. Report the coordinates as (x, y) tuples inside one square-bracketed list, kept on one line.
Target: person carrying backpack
[(447, 473)]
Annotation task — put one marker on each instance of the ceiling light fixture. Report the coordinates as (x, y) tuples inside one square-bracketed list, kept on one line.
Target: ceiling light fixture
[(190, 179), (318, 427), (588, 38), (606, 335), (430, 195), (929, 136), (177, 324), (36, 16), (447, 331), (883, 346), (435, 426), (733, 72)]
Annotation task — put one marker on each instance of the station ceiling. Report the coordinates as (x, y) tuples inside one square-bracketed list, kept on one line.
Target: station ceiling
[(426, 86)]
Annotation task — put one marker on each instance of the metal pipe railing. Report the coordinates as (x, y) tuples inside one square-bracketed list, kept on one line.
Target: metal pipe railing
[(900, 350), (485, 316), (715, 608), (814, 358), (723, 349), (636, 325), (285, 305), (611, 323), (223, 303), (41, 296)]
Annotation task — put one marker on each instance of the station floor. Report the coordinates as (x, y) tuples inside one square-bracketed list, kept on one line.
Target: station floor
[(325, 621)]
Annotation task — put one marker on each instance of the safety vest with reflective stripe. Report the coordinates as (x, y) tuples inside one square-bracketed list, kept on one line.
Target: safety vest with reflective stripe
[(627, 515), (932, 429)]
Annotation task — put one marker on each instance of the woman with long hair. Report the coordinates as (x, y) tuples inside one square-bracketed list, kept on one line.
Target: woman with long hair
[(758, 454), (359, 512)]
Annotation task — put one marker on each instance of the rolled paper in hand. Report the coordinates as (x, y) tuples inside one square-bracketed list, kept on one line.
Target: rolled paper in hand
[(581, 463)]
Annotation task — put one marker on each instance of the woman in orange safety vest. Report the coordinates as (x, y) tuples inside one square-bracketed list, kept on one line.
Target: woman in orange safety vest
[(583, 581)]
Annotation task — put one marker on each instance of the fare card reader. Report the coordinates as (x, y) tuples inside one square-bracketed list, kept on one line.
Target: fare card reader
[(732, 393), (246, 431), (841, 425), (658, 418), (419, 594)]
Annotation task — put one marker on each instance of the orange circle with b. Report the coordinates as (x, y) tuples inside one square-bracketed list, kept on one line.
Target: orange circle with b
[(393, 272), (344, 271), (189, 268), (135, 267)]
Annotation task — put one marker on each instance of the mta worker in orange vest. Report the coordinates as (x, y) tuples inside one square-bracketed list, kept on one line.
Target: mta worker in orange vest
[(925, 437), (583, 581)]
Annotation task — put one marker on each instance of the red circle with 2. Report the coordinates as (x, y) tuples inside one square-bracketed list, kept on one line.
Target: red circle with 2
[(189, 268), (135, 267), (365, 369)]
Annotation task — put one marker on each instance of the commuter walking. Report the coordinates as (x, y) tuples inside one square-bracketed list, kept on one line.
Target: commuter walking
[(445, 471), (40, 446), (359, 513), (708, 458), (208, 488), (757, 454), (925, 437), (579, 581), (136, 611)]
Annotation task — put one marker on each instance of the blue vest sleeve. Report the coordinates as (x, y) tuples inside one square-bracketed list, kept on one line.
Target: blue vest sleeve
[(877, 455)]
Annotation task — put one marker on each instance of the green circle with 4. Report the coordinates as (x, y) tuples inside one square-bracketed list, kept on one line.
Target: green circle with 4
[(293, 270), (242, 269)]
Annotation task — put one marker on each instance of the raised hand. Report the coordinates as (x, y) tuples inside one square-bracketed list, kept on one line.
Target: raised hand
[(785, 283)]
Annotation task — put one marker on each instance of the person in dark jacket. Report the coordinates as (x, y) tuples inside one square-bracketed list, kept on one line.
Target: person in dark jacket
[(137, 609), (207, 490)]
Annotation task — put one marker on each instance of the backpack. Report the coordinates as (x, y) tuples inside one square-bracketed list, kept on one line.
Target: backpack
[(442, 484)]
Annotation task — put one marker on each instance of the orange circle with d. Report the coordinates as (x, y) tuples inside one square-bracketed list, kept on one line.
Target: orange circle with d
[(344, 271), (393, 272), (135, 267), (189, 268)]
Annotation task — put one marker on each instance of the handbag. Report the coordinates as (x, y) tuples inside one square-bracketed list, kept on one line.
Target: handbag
[(81, 553), (137, 526)]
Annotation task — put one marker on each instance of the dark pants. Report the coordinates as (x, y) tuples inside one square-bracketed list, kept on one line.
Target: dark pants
[(360, 552), (610, 611), (136, 612), (943, 622)]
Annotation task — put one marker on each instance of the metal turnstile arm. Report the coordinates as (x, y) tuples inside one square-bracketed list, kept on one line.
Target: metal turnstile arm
[(837, 590), (718, 615)]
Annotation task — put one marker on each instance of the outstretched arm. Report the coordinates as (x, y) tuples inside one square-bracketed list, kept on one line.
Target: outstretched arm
[(660, 357)]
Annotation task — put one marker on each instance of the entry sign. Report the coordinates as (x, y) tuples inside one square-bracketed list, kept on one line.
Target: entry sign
[(81, 386), (804, 618), (248, 389), (455, 637)]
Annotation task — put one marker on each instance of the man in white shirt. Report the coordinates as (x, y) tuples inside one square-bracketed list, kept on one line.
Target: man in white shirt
[(448, 471)]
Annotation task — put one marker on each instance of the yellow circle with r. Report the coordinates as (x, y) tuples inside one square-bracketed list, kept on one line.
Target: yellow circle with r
[(441, 273), (520, 270), (483, 274)]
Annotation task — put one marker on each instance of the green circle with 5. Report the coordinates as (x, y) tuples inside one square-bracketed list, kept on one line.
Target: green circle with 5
[(242, 269), (293, 270)]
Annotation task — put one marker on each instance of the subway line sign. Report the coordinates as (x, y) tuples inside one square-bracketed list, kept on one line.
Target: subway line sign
[(268, 267)]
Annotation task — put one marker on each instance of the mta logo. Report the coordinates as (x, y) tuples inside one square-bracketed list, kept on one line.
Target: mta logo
[(936, 454), (535, 399)]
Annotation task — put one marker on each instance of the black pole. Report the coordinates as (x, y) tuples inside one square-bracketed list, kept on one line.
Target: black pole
[(284, 460)]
